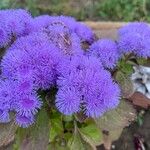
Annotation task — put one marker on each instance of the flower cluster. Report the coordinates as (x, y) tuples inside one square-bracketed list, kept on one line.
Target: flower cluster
[(85, 86), (14, 23), (107, 52), (46, 52), (135, 38)]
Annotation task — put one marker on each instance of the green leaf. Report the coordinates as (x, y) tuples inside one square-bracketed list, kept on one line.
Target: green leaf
[(56, 128), (35, 137), (57, 146), (67, 118), (125, 83), (91, 134), (125, 67), (77, 143)]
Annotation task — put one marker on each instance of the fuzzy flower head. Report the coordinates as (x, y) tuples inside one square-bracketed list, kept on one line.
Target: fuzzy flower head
[(18, 21), (135, 38), (36, 58), (28, 104), (92, 87), (84, 32), (24, 121), (14, 23), (106, 51), (68, 100)]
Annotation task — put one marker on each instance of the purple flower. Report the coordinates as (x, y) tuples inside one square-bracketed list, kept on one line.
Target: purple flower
[(27, 105), (16, 63), (84, 32), (24, 85), (18, 21), (135, 38), (68, 100), (44, 21), (35, 58), (101, 95), (44, 77), (24, 121), (46, 52), (106, 51), (134, 27), (92, 86)]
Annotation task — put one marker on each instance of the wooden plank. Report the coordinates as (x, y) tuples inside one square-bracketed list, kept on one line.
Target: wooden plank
[(105, 29), (104, 25)]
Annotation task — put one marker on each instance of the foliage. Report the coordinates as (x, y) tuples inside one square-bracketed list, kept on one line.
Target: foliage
[(122, 10)]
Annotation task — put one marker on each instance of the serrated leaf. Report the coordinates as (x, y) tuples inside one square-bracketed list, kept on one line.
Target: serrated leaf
[(125, 83), (7, 133), (35, 137), (91, 134), (117, 118)]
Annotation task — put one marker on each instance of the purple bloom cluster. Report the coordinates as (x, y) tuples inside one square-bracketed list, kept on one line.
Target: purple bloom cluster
[(106, 51), (14, 23), (83, 32), (46, 52), (85, 86), (135, 38), (28, 65)]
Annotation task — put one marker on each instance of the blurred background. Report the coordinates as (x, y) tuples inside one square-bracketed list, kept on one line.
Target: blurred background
[(96, 10)]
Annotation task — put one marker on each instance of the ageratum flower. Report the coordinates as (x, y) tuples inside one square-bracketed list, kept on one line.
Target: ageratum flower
[(68, 100), (35, 58), (106, 51), (44, 21), (14, 23), (24, 121), (28, 104), (135, 38), (92, 86), (83, 32), (138, 27)]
